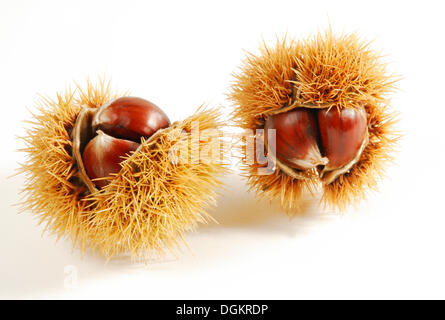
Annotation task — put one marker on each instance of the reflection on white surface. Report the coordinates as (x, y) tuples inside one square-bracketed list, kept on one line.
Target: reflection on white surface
[(36, 266), (391, 244)]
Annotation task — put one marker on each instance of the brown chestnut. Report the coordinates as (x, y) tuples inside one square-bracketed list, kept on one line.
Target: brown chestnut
[(296, 138), (103, 136), (330, 140), (130, 118), (103, 154)]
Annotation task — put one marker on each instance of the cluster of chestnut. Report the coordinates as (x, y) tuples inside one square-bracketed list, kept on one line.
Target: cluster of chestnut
[(329, 139), (103, 136)]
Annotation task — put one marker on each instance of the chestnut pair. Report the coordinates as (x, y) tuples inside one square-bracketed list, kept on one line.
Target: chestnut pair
[(103, 136), (302, 135), (99, 166)]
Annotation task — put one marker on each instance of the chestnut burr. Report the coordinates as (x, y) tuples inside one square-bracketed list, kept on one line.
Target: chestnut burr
[(99, 172), (327, 97)]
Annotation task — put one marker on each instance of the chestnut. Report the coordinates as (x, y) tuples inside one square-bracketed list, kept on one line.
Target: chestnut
[(103, 154), (99, 172), (297, 138), (328, 98), (103, 136), (130, 118), (330, 140)]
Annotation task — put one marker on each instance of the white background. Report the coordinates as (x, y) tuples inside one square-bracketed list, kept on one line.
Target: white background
[(180, 55)]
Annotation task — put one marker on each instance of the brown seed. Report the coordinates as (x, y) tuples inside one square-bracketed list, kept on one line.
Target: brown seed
[(342, 134), (331, 140), (130, 118), (297, 138), (103, 154)]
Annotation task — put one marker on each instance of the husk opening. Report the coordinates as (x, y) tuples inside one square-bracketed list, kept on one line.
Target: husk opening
[(149, 204)]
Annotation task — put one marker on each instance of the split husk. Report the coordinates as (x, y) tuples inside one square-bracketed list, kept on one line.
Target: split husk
[(147, 207), (324, 71)]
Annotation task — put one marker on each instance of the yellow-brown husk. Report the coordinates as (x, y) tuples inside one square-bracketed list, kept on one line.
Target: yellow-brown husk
[(321, 72), (149, 204)]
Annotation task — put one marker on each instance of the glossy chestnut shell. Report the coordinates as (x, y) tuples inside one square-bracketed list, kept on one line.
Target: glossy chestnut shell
[(103, 137), (329, 140), (130, 118)]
